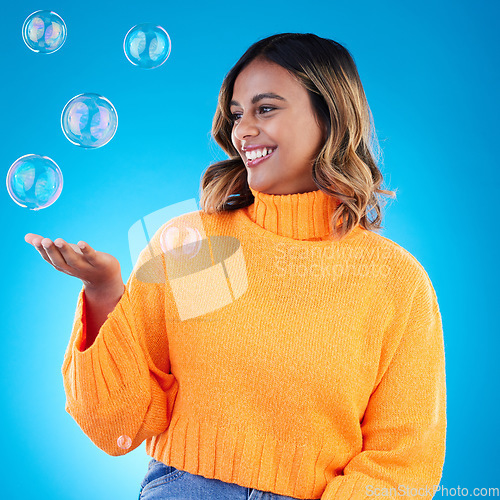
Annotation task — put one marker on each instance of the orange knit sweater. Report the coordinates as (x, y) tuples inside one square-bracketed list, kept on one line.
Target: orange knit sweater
[(267, 355)]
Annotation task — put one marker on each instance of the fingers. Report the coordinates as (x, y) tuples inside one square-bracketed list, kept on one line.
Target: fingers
[(58, 253), (36, 241), (87, 251), (73, 253), (70, 254), (28, 238), (52, 254), (66, 257)]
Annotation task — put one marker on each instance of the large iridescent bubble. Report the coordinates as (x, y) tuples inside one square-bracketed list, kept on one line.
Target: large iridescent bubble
[(147, 45), (34, 181), (89, 120), (44, 31)]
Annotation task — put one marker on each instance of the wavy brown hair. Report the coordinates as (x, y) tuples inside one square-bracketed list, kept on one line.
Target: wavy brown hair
[(346, 167)]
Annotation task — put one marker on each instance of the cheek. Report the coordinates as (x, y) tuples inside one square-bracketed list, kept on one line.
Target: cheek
[(311, 139), (292, 130), (278, 131)]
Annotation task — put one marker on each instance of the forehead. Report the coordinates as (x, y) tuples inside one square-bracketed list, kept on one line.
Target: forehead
[(263, 76)]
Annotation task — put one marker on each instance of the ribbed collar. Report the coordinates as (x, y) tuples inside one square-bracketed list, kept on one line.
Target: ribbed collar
[(302, 216)]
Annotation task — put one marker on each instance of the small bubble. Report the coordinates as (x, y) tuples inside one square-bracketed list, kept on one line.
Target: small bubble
[(44, 31), (147, 45), (180, 242), (124, 442)]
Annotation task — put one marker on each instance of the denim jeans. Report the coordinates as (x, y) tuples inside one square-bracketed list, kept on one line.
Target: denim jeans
[(165, 482)]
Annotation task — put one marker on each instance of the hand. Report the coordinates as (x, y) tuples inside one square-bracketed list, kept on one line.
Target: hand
[(96, 269)]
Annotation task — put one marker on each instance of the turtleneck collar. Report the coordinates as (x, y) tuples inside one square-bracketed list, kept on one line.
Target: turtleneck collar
[(302, 216)]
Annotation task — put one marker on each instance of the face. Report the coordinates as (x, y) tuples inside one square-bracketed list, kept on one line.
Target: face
[(284, 122)]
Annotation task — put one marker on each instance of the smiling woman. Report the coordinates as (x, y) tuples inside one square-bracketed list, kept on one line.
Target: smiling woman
[(311, 363)]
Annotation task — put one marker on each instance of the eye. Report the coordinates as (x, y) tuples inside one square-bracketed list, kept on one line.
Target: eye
[(234, 116)]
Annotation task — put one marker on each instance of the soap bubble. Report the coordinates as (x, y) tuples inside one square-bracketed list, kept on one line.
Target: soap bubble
[(44, 31), (180, 241), (34, 181), (89, 120), (124, 442), (147, 45)]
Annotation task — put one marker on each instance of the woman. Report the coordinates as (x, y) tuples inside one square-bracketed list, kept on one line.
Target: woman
[(288, 352)]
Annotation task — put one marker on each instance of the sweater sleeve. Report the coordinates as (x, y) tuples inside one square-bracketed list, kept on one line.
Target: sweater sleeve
[(120, 390), (404, 424)]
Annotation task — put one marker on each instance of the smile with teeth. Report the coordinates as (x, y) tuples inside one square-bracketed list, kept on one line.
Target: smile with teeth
[(258, 153)]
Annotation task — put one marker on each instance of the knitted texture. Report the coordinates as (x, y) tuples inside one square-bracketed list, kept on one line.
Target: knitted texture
[(270, 356)]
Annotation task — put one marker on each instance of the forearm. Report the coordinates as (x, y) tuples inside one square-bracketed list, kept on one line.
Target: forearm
[(99, 302)]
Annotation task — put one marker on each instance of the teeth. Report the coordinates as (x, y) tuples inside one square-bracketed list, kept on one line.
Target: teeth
[(258, 153)]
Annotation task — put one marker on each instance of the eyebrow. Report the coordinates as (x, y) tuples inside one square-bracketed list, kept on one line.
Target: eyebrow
[(258, 97)]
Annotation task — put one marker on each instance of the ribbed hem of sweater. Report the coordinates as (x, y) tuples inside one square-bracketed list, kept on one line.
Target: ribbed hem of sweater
[(238, 454)]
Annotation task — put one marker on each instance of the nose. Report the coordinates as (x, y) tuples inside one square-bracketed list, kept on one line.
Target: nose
[(245, 127)]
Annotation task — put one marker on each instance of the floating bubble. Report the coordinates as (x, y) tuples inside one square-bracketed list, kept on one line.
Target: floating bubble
[(34, 181), (44, 31), (180, 242), (89, 120), (124, 442), (147, 45)]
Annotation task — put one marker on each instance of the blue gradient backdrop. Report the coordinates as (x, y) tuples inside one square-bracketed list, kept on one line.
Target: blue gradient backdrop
[(430, 74)]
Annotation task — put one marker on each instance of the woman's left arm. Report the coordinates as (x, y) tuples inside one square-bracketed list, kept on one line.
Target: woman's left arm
[(404, 424)]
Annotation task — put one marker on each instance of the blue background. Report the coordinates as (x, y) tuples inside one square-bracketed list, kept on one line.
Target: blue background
[(430, 72)]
